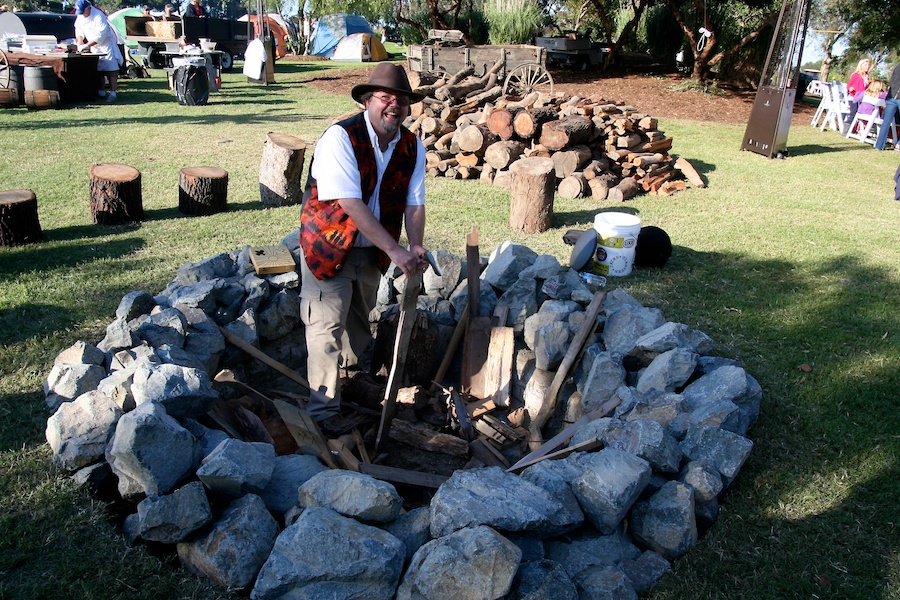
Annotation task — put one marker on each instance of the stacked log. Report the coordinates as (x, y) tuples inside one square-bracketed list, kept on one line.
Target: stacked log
[(601, 149)]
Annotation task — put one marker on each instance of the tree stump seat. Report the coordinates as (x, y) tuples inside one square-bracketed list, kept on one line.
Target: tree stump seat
[(281, 169), (115, 191), (533, 184), (19, 218), (202, 190)]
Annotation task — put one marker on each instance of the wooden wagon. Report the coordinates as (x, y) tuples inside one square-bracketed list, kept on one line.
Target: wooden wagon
[(524, 66)]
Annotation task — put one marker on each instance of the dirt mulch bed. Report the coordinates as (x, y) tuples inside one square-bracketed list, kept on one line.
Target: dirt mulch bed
[(651, 94)]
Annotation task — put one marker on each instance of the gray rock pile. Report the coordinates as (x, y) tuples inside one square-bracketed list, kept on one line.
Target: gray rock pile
[(605, 523)]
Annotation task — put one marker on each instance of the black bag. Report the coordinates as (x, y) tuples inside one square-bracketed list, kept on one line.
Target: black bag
[(191, 85)]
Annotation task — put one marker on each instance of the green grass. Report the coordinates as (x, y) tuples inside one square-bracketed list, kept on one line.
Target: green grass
[(782, 263)]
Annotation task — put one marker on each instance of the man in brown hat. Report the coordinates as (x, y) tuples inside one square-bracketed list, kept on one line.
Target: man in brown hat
[(367, 177)]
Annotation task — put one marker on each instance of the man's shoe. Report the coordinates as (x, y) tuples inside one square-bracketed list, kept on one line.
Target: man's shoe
[(363, 389), (336, 425), (111, 97), (101, 93)]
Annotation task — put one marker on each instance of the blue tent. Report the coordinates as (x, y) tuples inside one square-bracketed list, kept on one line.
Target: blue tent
[(331, 29)]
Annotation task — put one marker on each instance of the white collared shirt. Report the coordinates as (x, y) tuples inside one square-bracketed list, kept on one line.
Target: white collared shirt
[(337, 173)]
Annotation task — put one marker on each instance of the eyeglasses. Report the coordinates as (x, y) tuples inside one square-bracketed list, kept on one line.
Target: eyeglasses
[(387, 100)]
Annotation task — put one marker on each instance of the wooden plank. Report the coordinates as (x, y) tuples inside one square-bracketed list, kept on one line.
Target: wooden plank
[(489, 432), (480, 407), (262, 356), (270, 260), (305, 431), (584, 446), (549, 404), (478, 329), (564, 436), (425, 438), (405, 323), (499, 368), (484, 451), (403, 476)]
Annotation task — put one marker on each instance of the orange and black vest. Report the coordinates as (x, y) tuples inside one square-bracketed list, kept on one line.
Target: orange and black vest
[(327, 232)]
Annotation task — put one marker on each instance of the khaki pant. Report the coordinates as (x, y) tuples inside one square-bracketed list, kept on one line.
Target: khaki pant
[(336, 315)]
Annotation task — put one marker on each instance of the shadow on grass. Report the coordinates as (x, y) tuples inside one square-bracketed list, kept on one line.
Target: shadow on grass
[(836, 423), (809, 149)]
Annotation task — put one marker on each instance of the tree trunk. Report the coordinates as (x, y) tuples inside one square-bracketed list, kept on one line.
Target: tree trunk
[(281, 170), (115, 194), (19, 218), (202, 190), (531, 203)]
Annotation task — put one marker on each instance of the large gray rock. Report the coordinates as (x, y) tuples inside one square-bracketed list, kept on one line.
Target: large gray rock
[(412, 528), (175, 355), (68, 381), (645, 571), (521, 300), (586, 551), (325, 555), (543, 267), (609, 583), (135, 304), (119, 336), (234, 550), (661, 407), (291, 471), (150, 452), (668, 371), (606, 375), (352, 495), (555, 477), (648, 440), (182, 391), (610, 483), (704, 479), (666, 522), (470, 564), (207, 347), (235, 468), (279, 315), (166, 327), (627, 324), (551, 311), (81, 353), (551, 345), (668, 337), (214, 267), (486, 294), (79, 430), (506, 264), (723, 450), (172, 517), (726, 384), (543, 580), (504, 501)]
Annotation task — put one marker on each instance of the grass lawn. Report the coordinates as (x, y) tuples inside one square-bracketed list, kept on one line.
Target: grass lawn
[(783, 263)]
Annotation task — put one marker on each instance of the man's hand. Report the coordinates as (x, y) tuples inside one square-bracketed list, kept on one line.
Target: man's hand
[(408, 260)]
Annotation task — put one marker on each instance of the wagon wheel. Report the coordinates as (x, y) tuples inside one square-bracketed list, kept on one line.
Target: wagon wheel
[(527, 78), (4, 70)]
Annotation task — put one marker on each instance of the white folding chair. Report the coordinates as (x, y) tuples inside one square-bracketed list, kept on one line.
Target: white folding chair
[(865, 121), (838, 107), (824, 103)]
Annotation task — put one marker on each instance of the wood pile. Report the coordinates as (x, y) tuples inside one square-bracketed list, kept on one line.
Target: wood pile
[(601, 149)]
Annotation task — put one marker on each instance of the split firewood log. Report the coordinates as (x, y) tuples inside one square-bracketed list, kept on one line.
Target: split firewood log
[(599, 188), (467, 159), (557, 135), (464, 120), (461, 88), (469, 172), (450, 114), (476, 138), (566, 162), (690, 172), (527, 123), (626, 190), (629, 141), (433, 157), (526, 102), (573, 187), (500, 122), (487, 173), (443, 143), (436, 127), (503, 153), (647, 160), (670, 187), (648, 123), (595, 167), (662, 145), (477, 100), (536, 150)]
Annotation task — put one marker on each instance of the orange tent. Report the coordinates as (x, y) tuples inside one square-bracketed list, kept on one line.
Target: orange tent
[(279, 32)]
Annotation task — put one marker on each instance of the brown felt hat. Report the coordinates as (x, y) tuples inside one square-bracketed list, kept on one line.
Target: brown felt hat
[(390, 78)]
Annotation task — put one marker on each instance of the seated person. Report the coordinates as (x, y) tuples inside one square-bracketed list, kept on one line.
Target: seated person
[(195, 9), (874, 91), (170, 14)]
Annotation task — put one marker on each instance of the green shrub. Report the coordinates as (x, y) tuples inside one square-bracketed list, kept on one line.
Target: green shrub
[(513, 21)]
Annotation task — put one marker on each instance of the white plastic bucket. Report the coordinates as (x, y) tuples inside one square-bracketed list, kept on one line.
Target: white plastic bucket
[(617, 235)]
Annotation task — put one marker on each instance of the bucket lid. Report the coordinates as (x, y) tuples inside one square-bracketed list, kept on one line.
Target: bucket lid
[(583, 249), (617, 219)]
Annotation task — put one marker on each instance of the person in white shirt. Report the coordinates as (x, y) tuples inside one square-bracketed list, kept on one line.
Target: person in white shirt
[(95, 35), (367, 181)]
